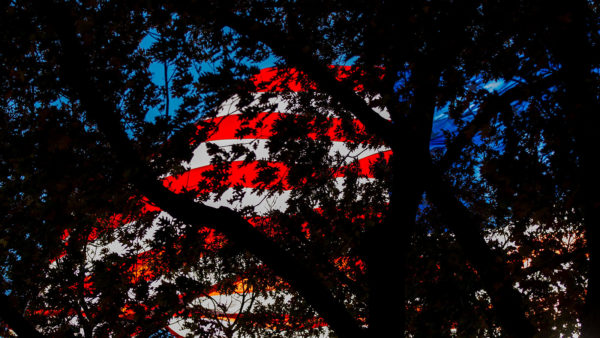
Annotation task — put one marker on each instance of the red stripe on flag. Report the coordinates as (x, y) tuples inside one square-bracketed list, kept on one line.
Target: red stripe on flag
[(236, 126), (275, 79)]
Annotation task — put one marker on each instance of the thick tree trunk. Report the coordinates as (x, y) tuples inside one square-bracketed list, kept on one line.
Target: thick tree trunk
[(576, 55), (588, 143), (389, 244), (387, 257)]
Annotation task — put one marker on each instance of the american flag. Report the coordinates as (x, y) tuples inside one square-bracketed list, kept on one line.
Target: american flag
[(242, 187)]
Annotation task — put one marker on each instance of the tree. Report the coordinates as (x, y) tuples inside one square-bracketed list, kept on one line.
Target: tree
[(434, 242)]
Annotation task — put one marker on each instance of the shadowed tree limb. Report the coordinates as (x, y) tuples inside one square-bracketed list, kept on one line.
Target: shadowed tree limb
[(490, 267), (491, 106), (577, 24), (390, 242), (507, 301), (79, 79), (299, 54), (505, 298)]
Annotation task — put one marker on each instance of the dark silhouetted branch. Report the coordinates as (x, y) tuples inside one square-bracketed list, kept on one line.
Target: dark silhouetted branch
[(298, 53), (490, 267), (73, 63), (491, 106)]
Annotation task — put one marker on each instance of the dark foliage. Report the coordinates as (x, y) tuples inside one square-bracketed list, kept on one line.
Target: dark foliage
[(491, 235)]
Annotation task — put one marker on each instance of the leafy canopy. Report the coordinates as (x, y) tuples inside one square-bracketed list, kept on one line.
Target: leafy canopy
[(110, 227)]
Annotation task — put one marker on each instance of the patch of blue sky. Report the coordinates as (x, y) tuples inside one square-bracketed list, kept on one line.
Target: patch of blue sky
[(345, 61), (495, 85), (443, 124), (157, 69)]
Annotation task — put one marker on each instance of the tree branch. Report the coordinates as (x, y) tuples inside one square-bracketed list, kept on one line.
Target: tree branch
[(576, 49), (490, 267), (487, 110), (79, 79), (507, 301), (298, 54)]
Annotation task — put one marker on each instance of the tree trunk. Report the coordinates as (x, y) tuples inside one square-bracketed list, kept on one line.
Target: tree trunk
[(588, 143), (390, 243), (576, 55)]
